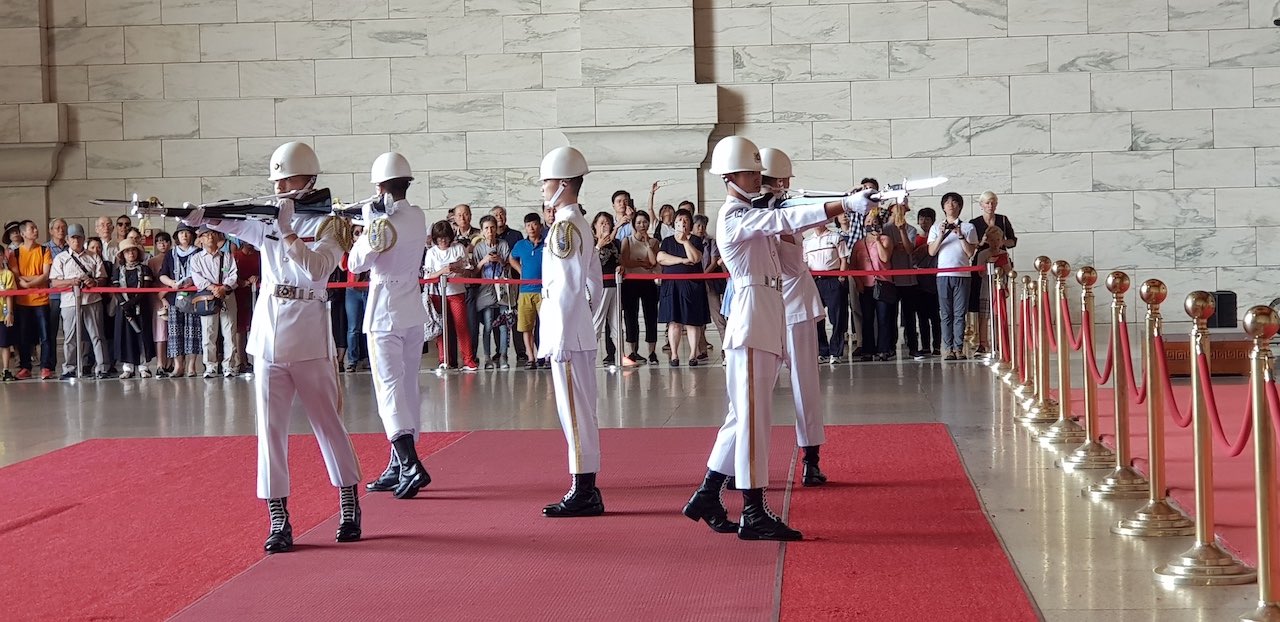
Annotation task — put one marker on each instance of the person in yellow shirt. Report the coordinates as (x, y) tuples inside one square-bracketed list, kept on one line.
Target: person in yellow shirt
[(7, 282), (31, 263)]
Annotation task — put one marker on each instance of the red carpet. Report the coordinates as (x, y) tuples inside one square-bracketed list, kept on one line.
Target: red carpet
[(904, 539), (137, 528), (1233, 477)]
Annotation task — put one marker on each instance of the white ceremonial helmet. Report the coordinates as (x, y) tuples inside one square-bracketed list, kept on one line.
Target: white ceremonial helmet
[(735, 154), (390, 165), (293, 159), (563, 163), (776, 163)]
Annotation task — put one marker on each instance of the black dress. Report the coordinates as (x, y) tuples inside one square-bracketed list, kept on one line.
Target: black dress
[(133, 343), (682, 301)]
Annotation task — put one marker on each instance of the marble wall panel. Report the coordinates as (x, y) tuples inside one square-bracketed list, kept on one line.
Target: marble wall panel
[(1092, 211), (1131, 90), (539, 33), (1213, 88), (1041, 94), (197, 80), (576, 107), (464, 111), (201, 157), (505, 149), (814, 101), (1214, 248), (928, 59), (1133, 170), (1173, 209), (351, 154), (811, 24), (504, 7), (850, 61), (971, 18), (1213, 168), (1268, 248), (1128, 15), (1141, 248), (771, 63), (1248, 207), (1097, 131), (953, 97), (1169, 50), (641, 105), (698, 103), (198, 11), (1180, 129), (476, 187), (91, 121), (431, 74), (476, 34), (1089, 52), (235, 42), (673, 65), (1208, 14), (86, 46), (118, 159), (122, 12), (24, 84), (349, 9), (1059, 172), (726, 27), (1253, 285), (75, 195), (277, 78), (1267, 161), (1243, 48), (435, 151), (894, 171), (66, 84), (313, 115), (796, 139), (121, 82), (21, 46), (227, 118), (255, 153), (385, 38), (161, 119), (745, 103), (528, 109), (1008, 135), (639, 28), (891, 21), (891, 99), (1266, 86), (824, 174), (227, 187), (973, 175), (161, 44), (1263, 13), (1246, 127), (1074, 247), (561, 69), (25, 14), (606, 5), (847, 140), (273, 10), (1008, 55), (524, 190), (913, 138), (354, 76), (170, 190), (1047, 17), (389, 114), (312, 40), (1029, 213)]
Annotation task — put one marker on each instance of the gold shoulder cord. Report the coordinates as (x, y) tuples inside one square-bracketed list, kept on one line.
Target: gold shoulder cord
[(382, 234), (339, 229), (565, 239)]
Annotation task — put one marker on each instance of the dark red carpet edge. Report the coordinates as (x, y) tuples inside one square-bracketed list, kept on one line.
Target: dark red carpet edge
[(137, 528), (898, 534)]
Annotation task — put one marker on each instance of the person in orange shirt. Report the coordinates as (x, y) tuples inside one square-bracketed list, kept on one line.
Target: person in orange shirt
[(31, 263)]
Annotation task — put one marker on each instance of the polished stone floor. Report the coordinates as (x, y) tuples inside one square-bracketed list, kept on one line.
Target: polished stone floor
[(1071, 564)]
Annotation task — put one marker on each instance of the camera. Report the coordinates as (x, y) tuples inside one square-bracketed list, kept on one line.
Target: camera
[(947, 227)]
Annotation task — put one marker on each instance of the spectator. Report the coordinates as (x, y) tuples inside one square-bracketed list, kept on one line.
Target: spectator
[(682, 304), (337, 304), (249, 267), (526, 258), (508, 235), (866, 256), (159, 302), (824, 251), (640, 256), (13, 234), (665, 226), (79, 267), (992, 251), (133, 325), (622, 212), (104, 236), (56, 244), (184, 329), (357, 298), (927, 318), (215, 271), (468, 236), (901, 237), (8, 282), (711, 262), (850, 234), (32, 265), (118, 235), (447, 257), (606, 311), (989, 218), (134, 235), (493, 301), (953, 242)]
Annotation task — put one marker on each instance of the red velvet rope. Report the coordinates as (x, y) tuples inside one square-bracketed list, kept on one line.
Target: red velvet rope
[(1091, 355), (1211, 403), (1002, 315), (1024, 335), (1273, 404), (1175, 411), (1140, 394), (1076, 341)]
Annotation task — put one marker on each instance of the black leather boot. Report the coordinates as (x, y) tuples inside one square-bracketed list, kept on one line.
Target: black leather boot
[(707, 504), (349, 527), (759, 522), (389, 479), (413, 476), (281, 538), (812, 475), (583, 499)]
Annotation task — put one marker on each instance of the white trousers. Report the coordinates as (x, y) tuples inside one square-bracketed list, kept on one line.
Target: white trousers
[(209, 328), (575, 385), (91, 324), (395, 359), (714, 302), (606, 315), (742, 446), (315, 382), (802, 348)]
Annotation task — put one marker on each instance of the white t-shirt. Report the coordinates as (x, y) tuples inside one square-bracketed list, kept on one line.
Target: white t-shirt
[(437, 259), (951, 253)]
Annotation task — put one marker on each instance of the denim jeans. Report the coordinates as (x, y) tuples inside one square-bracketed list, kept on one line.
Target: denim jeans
[(355, 304), (32, 324), (487, 317), (953, 301)]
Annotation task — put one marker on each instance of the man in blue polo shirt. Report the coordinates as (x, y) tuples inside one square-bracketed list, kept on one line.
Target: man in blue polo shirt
[(526, 258)]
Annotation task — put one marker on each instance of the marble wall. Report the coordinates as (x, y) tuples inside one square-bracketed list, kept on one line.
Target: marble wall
[(1140, 134)]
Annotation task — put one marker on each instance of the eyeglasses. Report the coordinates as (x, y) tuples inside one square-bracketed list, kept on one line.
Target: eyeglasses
[(123, 224)]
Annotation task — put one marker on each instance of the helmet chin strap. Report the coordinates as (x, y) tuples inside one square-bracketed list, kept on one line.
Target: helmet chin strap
[(736, 188), (556, 197)]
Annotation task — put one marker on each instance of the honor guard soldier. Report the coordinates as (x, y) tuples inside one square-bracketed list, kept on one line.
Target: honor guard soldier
[(804, 310), (390, 249), (753, 339), (571, 287), (289, 361)]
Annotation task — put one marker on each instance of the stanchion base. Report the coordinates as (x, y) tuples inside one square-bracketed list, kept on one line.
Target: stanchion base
[(1022, 392), (1266, 612), (1089, 456), (1205, 565), (1156, 519), (1047, 408), (1010, 378), (1122, 483), (1063, 431)]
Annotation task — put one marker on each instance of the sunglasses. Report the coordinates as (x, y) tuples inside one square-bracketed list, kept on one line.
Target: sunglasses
[(122, 224)]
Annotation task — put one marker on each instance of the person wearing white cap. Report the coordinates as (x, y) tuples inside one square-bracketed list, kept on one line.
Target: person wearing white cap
[(289, 361), (753, 339), (390, 249), (571, 288), (803, 311)]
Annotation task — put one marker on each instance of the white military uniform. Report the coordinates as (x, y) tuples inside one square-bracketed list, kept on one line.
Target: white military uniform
[(804, 309), (394, 317), (571, 286), (289, 359), (755, 332)]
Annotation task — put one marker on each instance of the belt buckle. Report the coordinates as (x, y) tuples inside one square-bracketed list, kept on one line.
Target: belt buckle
[(286, 291)]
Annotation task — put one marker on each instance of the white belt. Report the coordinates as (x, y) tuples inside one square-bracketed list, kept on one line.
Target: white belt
[(293, 292), (772, 282)]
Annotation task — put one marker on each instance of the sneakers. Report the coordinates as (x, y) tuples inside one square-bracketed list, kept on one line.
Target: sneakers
[(210, 374), (442, 366), (491, 363), (229, 374), (504, 363), (66, 376), (532, 364), (609, 361), (470, 367), (125, 375), (162, 373), (635, 358), (24, 374), (144, 373), (951, 356), (653, 358), (46, 374), (675, 362), (8, 376)]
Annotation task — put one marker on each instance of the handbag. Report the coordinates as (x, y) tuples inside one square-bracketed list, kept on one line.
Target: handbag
[(202, 303), (886, 292), (433, 326)]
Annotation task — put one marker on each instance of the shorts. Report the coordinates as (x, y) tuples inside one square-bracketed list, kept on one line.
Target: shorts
[(527, 312)]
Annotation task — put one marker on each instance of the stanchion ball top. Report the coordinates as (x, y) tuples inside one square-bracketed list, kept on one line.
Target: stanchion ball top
[(1061, 270), (1027, 281), (1043, 263), (1261, 322), (1199, 305), (1087, 276), (1153, 291), (1117, 282)]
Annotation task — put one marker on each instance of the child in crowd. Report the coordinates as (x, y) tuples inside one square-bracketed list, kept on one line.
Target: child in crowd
[(133, 322), (160, 318), (7, 334), (993, 251)]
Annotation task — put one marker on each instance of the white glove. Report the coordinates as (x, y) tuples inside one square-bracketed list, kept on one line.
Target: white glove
[(195, 218), (284, 220), (858, 203)]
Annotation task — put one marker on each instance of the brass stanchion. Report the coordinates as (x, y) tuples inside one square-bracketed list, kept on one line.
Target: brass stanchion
[(1157, 518), (1124, 482), (1044, 409), (1026, 392), (1092, 454), (1065, 429), (1013, 377), (993, 338), (1205, 563), (1004, 336), (1261, 323)]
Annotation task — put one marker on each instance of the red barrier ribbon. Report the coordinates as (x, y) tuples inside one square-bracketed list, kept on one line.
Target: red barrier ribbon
[(1091, 355), (1140, 394), (1273, 404), (1077, 341), (1027, 342), (1002, 315), (1175, 411), (1211, 403)]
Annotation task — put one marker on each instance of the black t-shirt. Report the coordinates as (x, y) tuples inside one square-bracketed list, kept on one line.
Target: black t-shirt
[(610, 259)]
